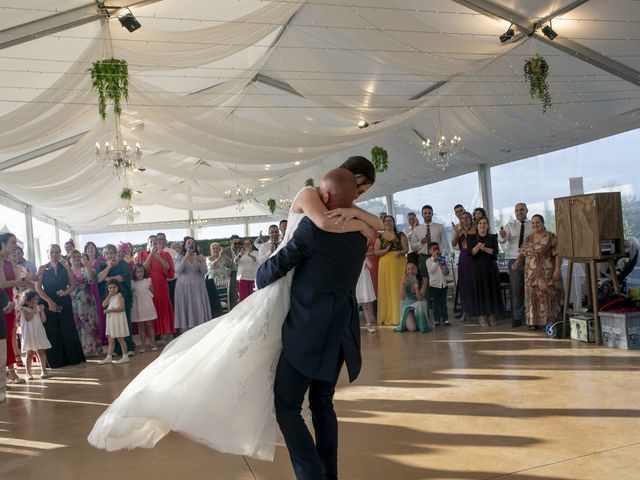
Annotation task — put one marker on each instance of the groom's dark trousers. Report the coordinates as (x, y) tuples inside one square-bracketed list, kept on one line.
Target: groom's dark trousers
[(320, 333)]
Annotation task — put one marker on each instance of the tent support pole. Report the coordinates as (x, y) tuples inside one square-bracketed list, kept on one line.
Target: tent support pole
[(486, 194), (28, 219), (390, 207)]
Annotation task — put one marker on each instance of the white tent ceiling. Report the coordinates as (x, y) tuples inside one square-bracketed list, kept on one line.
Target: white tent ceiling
[(242, 90)]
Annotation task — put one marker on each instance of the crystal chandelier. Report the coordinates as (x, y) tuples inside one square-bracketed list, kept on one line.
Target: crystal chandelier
[(197, 223), (120, 157), (285, 203), (238, 197), (129, 213), (442, 153)]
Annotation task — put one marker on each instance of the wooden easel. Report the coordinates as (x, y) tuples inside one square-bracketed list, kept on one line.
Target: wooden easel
[(591, 271)]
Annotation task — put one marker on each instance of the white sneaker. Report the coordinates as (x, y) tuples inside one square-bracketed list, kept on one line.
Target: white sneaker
[(3, 397), (105, 360), (28, 376), (44, 375), (124, 359)]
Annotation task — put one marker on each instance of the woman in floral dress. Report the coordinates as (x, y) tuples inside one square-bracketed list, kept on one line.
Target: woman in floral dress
[(96, 260), (84, 306), (542, 275)]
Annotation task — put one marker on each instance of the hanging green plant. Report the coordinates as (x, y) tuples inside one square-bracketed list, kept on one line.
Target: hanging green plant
[(536, 71), (126, 194), (110, 78), (271, 203), (380, 159), (309, 182)]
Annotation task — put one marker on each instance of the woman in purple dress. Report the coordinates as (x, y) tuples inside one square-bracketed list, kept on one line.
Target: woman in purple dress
[(95, 259), (459, 240)]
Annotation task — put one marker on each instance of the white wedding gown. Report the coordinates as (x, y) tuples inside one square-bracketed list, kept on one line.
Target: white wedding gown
[(212, 384)]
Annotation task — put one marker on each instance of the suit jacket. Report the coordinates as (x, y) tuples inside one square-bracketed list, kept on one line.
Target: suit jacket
[(323, 317)]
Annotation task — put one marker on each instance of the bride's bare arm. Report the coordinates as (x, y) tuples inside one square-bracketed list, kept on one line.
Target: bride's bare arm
[(309, 202), (343, 215)]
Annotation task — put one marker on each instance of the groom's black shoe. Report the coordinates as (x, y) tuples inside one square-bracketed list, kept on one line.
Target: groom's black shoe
[(330, 477)]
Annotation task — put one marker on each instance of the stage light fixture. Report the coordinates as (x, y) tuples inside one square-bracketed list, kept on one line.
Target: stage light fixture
[(508, 35), (549, 32), (129, 21)]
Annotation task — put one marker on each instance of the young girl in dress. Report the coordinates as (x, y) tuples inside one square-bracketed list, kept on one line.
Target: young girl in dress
[(34, 337), (116, 322), (143, 312)]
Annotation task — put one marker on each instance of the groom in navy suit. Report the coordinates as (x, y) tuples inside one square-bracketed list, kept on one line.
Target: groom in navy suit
[(321, 331)]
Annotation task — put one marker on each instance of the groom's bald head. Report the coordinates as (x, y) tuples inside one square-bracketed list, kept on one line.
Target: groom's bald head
[(338, 188)]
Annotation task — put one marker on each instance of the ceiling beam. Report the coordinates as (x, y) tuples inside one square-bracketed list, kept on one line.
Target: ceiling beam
[(58, 22), (53, 147), (531, 27)]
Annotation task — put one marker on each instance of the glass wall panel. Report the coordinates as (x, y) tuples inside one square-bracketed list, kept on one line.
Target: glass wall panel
[(14, 222)]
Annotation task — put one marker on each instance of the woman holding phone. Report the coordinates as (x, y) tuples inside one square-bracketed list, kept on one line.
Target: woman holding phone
[(159, 268), (191, 300), (247, 261)]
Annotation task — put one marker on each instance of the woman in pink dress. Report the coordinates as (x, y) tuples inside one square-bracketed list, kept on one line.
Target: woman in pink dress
[(159, 268), (91, 251), (8, 281)]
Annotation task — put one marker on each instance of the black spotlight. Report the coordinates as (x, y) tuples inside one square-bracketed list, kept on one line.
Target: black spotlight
[(129, 21), (549, 32), (508, 35)]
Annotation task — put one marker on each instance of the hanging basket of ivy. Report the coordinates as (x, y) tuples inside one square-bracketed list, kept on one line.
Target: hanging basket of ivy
[(126, 194), (536, 71), (110, 78), (271, 203), (380, 159)]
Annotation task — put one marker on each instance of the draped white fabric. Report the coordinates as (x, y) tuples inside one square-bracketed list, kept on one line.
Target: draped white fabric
[(206, 120)]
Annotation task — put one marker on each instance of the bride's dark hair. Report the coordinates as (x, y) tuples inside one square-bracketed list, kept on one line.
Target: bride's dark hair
[(361, 166)]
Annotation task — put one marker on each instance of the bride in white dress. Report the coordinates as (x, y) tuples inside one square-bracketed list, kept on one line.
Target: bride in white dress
[(214, 383)]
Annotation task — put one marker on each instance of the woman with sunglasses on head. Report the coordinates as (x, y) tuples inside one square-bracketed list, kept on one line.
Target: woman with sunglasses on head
[(226, 367)]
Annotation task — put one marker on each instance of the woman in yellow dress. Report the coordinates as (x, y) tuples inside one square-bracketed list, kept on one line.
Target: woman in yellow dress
[(391, 247)]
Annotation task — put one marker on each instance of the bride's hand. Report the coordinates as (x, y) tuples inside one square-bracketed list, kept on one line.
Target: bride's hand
[(341, 215)]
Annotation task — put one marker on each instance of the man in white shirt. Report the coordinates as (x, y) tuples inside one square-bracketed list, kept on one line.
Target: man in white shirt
[(515, 232), (268, 247), (423, 235), (413, 222), (283, 229)]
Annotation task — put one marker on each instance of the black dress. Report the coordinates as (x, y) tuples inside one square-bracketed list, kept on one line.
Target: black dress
[(66, 348), (485, 298)]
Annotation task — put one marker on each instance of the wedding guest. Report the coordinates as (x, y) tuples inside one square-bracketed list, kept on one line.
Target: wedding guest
[(486, 298), (159, 267), (34, 336), (390, 247), (117, 323), (267, 248), (542, 275), (365, 294), (218, 264), (514, 233), (458, 210), (83, 304), (95, 259), (21, 261), (438, 272), (5, 307), (459, 239), (143, 313), (382, 216), (192, 301), (171, 281), (8, 281), (479, 213), (69, 245), (413, 302), (125, 251), (283, 227), (176, 247), (426, 233), (54, 285), (232, 252), (247, 262), (118, 270), (162, 244), (412, 220)]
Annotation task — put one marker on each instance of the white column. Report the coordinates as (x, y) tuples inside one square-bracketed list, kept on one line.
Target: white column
[(56, 226), (246, 228), (486, 194), (390, 206), (28, 217)]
